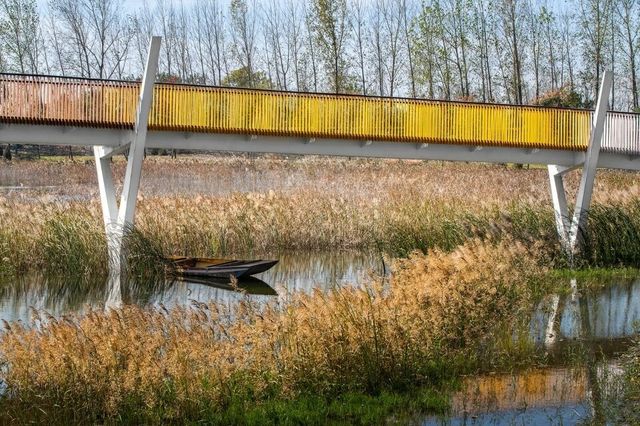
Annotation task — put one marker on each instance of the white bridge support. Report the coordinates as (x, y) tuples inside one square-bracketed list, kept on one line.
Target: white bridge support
[(118, 218), (570, 231)]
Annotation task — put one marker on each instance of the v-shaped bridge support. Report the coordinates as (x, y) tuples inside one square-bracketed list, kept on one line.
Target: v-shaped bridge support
[(118, 218), (570, 228)]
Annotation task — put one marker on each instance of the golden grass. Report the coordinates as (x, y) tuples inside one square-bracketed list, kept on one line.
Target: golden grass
[(375, 180), (440, 315), (236, 206), (67, 237)]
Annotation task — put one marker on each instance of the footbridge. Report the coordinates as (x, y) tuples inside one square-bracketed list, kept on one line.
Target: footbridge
[(127, 117)]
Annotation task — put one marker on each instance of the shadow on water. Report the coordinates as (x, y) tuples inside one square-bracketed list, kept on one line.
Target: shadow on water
[(250, 285)]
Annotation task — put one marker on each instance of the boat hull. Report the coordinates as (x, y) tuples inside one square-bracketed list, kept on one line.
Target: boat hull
[(220, 268)]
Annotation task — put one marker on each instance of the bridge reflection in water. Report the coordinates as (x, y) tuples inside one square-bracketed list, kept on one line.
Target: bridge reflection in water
[(596, 328)]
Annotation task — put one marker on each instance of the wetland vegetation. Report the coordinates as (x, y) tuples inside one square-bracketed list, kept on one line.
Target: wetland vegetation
[(207, 206), (468, 268)]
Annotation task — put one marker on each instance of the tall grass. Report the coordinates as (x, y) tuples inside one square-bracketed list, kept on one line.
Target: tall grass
[(68, 239), (612, 236), (70, 246), (146, 261), (440, 316), (300, 204)]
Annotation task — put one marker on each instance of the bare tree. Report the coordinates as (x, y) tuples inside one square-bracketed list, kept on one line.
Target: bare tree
[(377, 41), (74, 32), (568, 39), (594, 19), (182, 47), (483, 27), (142, 28), (358, 26), (443, 62), (277, 47), (512, 31), (91, 31), (331, 29), (311, 49), (392, 24), (19, 34), (535, 25), (166, 15), (628, 12), (212, 40), (408, 16), (243, 24), (550, 34), (56, 45), (294, 33), (456, 28)]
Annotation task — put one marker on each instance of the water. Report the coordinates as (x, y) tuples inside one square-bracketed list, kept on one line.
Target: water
[(294, 272), (595, 327), (555, 395)]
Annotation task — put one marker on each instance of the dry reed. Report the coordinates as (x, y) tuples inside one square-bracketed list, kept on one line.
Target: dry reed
[(239, 205), (384, 180), (440, 315)]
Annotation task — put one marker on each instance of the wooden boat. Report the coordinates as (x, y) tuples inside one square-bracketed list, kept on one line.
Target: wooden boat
[(219, 268)]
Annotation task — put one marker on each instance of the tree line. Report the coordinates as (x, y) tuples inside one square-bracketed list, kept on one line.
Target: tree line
[(514, 51)]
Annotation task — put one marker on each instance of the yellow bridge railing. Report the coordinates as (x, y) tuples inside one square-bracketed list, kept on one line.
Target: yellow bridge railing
[(103, 103)]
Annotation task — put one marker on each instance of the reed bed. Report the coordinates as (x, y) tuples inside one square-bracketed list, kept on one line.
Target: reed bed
[(67, 239), (440, 315), (239, 205), (385, 180)]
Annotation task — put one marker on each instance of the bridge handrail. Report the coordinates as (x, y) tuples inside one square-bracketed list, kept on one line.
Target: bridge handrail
[(622, 133), (192, 108)]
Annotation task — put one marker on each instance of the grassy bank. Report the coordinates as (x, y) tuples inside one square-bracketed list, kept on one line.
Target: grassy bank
[(441, 315)]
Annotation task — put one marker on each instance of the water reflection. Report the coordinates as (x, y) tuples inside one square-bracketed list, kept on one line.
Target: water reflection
[(250, 285), (597, 323), (542, 396), (114, 291), (594, 328), (294, 272), (609, 313)]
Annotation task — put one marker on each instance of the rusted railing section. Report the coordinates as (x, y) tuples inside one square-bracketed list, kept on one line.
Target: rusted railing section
[(74, 102), (103, 103)]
